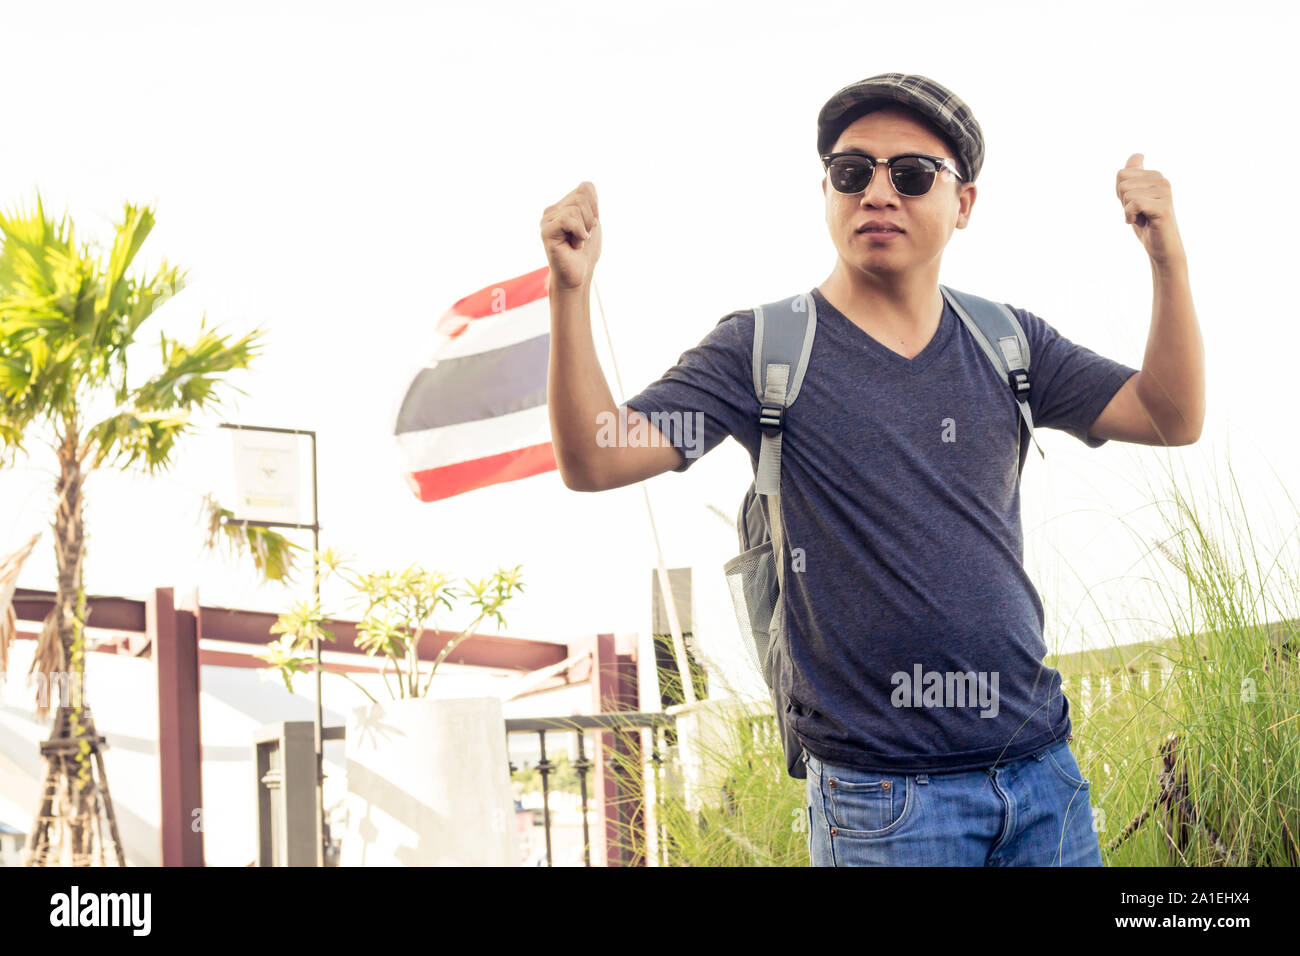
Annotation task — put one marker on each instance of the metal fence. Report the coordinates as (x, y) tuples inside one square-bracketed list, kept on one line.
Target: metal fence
[(659, 725)]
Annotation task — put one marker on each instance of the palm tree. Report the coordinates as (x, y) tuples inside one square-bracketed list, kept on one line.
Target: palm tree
[(68, 314)]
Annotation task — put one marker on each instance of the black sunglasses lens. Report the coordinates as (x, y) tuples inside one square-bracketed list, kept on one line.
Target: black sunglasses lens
[(913, 175), (849, 175)]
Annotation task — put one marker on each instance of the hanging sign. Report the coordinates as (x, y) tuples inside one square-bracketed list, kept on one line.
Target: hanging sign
[(266, 476)]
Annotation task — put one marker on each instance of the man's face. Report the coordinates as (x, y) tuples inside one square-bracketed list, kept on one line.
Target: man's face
[(927, 221)]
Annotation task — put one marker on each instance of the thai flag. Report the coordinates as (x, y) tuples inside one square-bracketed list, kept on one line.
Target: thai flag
[(476, 415)]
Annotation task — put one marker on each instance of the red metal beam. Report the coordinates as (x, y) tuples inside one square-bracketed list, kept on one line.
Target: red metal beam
[(113, 613), (216, 658), (254, 627)]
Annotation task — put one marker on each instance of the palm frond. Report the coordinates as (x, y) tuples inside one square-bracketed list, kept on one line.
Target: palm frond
[(128, 437), (272, 552), (10, 567), (137, 222), (190, 371), (147, 297), (29, 235), (49, 662)]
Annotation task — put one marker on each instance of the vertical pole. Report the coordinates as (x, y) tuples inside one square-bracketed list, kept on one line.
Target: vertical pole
[(544, 768), (660, 831), (670, 604), (318, 721), (582, 765), (319, 743), (650, 696)]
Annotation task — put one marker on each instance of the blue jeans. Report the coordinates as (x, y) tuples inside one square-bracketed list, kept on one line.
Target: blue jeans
[(1033, 811)]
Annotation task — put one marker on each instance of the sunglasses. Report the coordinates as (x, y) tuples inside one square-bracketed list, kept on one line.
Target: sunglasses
[(911, 173)]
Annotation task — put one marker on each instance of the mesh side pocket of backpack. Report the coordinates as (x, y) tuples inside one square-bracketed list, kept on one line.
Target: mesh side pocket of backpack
[(751, 577)]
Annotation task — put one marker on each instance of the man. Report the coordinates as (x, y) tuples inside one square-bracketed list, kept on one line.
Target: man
[(901, 462)]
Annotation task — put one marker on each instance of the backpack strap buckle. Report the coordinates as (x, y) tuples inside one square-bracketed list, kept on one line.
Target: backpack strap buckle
[(771, 418), (1019, 379)]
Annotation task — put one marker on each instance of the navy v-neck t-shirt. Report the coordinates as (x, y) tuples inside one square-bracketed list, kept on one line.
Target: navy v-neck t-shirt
[(915, 636)]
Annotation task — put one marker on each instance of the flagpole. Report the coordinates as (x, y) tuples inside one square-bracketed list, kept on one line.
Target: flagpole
[(679, 645)]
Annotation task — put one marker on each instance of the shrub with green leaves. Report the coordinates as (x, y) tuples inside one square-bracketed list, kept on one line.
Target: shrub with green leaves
[(396, 607)]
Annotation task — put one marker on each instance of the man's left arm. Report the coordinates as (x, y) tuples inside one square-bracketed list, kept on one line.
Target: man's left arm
[(1164, 404)]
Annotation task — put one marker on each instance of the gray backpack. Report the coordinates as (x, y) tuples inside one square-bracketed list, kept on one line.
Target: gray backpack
[(783, 337)]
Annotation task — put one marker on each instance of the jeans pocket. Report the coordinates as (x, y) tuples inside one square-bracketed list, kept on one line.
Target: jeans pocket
[(1061, 759), (864, 803)]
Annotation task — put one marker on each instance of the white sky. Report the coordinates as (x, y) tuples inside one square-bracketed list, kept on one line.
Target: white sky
[(339, 174)]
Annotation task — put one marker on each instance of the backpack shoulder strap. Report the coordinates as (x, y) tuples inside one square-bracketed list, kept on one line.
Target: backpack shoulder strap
[(783, 337), (991, 322)]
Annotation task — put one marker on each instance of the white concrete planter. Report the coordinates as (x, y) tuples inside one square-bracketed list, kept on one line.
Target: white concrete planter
[(429, 785)]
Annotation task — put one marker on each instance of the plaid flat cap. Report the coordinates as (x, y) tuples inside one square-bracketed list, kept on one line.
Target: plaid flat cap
[(938, 104)]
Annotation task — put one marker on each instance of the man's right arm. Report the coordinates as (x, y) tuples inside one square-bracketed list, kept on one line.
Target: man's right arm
[(582, 410)]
